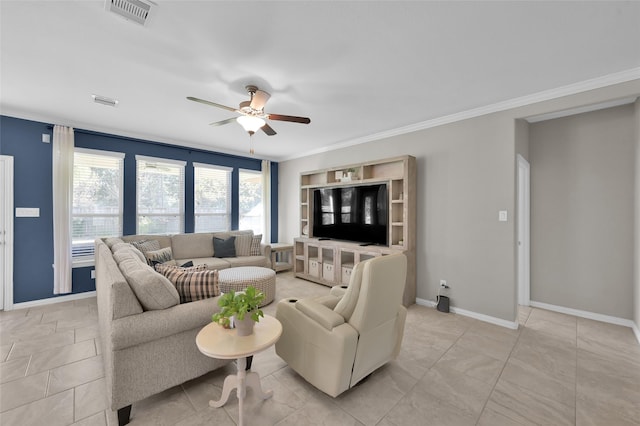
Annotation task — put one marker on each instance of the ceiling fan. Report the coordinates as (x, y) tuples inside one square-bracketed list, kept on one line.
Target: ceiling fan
[(252, 116)]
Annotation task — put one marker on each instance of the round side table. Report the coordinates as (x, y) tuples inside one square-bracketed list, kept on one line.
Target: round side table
[(218, 342)]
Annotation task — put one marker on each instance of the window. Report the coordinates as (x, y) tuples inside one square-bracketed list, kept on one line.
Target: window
[(251, 206), (212, 198), (160, 195), (97, 199)]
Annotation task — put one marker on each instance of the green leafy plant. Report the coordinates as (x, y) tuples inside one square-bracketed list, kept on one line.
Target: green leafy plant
[(237, 305)]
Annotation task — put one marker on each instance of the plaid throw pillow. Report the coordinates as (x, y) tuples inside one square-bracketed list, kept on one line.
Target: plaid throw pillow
[(255, 245), (194, 283)]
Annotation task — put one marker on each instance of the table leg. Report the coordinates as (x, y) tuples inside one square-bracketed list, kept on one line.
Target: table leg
[(242, 390), (240, 381), (230, 383), (253, 381)]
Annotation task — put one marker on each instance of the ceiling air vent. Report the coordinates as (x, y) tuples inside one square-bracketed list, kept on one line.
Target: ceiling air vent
[(103, 100), (138, 11)]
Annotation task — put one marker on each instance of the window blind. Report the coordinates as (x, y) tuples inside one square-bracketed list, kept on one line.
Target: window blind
[(97, 198), (212, 198), (159, 195), (251, 205)]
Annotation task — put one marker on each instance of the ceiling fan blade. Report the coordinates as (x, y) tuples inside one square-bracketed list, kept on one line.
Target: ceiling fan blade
[(202, 101), (259, 99), (268, 130), (220, 123), (292, 118)]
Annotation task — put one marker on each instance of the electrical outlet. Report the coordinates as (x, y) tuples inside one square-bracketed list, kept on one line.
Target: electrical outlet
[(443, 284)]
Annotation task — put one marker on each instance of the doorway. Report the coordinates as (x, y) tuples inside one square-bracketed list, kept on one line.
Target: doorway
[(524, 189), (6, 232)]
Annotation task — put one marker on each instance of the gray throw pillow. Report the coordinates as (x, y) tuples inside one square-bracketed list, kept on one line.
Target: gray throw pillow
[(224, 248)]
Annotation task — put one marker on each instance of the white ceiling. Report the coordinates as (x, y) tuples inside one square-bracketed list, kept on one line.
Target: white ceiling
[(357, 69)]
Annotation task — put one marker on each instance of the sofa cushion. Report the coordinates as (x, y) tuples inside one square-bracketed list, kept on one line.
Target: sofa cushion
[(163, 255), (164, 269), (115, 296), (129, 253), (226, 234), (189, 246), (163, 240), (224, 248), (119, 246), (112, 240), (243, 245), (210, 262), (234, 262), (256, 240), (194, 283), (153, 290)]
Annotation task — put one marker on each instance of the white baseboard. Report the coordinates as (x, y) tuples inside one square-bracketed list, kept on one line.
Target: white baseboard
[(583, 314), (52, 300), (425, 302), (475, 315), (636, 331), (590, 315)]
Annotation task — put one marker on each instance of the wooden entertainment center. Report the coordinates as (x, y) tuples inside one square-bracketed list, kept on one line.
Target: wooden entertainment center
[(330, 262)]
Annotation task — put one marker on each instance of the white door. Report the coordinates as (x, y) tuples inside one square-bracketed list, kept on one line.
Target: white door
[(6, 232), (523, 232)]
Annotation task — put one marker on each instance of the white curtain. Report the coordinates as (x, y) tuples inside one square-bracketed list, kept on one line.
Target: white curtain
[(266, 201), (62, 204)]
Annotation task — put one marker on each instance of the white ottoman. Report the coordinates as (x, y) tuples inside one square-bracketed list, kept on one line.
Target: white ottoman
[(237, 279)]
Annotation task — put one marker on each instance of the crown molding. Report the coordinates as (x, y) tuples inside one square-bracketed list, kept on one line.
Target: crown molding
[(546, 95), (580, 110)]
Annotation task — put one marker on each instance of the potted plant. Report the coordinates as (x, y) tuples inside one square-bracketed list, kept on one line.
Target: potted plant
[(352, 173), (243, 307)]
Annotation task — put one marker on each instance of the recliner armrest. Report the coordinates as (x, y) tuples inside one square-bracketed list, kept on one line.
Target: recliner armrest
[(338, 291), (320, 313)]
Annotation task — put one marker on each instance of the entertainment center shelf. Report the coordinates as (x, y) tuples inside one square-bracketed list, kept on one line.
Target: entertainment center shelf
[(330, 261)]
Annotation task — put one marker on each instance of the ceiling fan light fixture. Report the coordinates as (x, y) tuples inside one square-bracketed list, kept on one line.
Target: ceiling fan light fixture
[(250, 123)]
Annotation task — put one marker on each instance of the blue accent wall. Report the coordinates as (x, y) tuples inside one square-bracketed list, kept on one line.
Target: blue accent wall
[(33, 237)]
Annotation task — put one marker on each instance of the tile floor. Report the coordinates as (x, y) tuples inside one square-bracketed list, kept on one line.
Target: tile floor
[(452, 370)]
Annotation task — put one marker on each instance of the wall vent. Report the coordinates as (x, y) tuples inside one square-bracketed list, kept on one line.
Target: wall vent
[(138, 11)]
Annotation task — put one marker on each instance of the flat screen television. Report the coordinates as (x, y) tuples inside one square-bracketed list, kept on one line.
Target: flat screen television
[(352, 213)]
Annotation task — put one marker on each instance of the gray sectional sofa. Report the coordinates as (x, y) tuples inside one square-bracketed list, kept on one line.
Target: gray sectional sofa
[(147, 336), (198, 248)]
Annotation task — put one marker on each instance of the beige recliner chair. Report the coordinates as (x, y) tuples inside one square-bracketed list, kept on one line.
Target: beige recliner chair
[(336, 340)]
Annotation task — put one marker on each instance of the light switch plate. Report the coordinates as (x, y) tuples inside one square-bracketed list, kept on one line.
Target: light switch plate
[(27, 212), (502, 215)]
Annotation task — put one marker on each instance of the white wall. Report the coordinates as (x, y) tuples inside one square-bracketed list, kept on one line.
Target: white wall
[(466, 174)]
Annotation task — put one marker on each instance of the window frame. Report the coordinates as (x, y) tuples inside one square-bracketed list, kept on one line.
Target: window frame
[(172, 163), (80, 251), (229, 212), (259, 174)]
